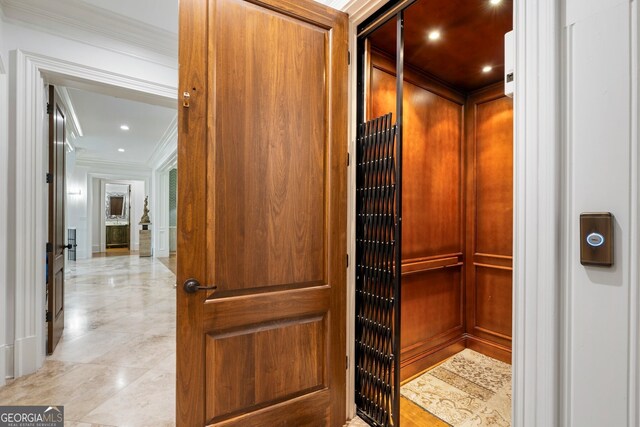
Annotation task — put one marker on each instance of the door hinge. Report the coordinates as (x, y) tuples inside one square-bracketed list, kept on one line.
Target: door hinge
[(49, 247), (347, 260), (347, 367), (49, 108), (49, 178), (348, 158), (48, 316), (348, 57)]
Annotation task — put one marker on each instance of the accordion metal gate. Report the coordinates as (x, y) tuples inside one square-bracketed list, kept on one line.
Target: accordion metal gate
[(378, 208)]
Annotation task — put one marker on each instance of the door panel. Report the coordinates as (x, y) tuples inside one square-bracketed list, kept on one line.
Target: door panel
[(272, 178), (297, 345), (55, 256), (262, 164)]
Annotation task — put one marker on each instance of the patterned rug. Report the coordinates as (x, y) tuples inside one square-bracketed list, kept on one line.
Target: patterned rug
[(469, 389)]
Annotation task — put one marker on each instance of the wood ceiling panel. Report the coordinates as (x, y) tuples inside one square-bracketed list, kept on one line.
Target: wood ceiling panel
[(472, 36)]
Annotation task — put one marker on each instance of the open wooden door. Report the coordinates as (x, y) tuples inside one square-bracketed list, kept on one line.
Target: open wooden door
[(56, 244), (262, 223)]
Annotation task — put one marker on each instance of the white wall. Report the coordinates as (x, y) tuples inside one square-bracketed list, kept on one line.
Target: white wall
[(31, 40), (77, 214), (600, 336)]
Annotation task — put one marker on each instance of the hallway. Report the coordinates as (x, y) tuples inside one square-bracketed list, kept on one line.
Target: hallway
[(115, 364)]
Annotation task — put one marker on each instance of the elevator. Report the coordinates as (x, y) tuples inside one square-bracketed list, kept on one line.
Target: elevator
[(434, 206)]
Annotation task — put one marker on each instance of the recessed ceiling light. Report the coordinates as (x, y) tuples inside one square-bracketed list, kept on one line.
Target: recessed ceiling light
[(434, 35), (487, 68), (121, 150), (495, 2), (124, 127)]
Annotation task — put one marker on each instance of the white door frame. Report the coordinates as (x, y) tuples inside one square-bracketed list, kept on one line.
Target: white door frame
[(4, 203), (30, 193), (537, 189), (118, 179)]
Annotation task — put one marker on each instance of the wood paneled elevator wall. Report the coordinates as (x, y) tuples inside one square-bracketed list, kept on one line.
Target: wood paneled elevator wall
[(457, 214)]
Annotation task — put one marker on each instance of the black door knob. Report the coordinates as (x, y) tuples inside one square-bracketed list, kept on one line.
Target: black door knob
[(69, 246), (192, 286)]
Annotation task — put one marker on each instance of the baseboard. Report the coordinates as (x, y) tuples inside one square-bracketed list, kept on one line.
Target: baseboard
[(423, 361), (489, 348), (415, 365), (26, 356)]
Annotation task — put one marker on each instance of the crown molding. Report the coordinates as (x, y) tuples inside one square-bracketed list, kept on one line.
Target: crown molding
[(80, 21), (167, 146), (336, 4), (119, 84), (96, 163)]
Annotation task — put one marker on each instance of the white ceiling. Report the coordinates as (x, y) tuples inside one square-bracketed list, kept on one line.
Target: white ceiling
[(100, 117), (162, 13)]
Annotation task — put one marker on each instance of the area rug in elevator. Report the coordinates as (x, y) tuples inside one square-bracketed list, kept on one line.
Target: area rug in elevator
[(467, 390)]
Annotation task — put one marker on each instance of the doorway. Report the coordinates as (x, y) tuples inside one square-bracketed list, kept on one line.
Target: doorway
[(117, 218), (434, 215)]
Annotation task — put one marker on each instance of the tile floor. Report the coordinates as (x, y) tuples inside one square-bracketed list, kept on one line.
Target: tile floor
[(115, 364)]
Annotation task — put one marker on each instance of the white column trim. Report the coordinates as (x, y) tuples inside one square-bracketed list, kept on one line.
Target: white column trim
[(634, 249), (4, 203), (103, 207), (31, 195), (537, 210)]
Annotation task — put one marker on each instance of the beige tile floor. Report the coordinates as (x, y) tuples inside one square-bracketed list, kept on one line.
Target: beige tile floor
[(115, 364)]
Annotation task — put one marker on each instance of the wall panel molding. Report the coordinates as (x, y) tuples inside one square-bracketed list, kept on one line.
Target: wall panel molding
[(161, 213), (601, 104)]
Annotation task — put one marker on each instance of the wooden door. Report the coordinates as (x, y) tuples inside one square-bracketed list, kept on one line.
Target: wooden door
[(56, 244), (262, 193)]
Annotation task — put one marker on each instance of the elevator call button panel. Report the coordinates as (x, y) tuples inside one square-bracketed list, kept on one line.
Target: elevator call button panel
[(596, 239)]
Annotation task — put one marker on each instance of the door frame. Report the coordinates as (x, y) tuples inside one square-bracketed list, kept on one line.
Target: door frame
[(4, 193), (537, 209), (31, 70)]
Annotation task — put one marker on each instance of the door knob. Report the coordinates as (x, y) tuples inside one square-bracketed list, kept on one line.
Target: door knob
[(191, 286), (69, 246)]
